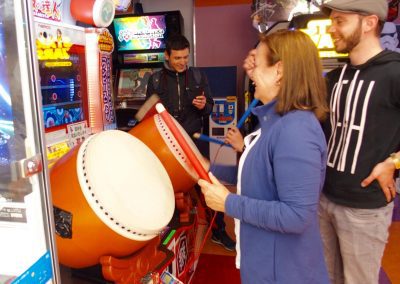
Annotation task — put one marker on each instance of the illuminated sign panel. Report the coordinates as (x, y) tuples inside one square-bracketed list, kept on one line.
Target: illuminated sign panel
[(317, 30), (106, 42), (53, 49)]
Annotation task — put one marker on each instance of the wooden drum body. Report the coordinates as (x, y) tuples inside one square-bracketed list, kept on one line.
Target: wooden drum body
[(111, 196), (155, 134)]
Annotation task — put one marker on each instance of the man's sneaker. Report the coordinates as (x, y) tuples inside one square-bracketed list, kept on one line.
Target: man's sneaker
[(222, 238)]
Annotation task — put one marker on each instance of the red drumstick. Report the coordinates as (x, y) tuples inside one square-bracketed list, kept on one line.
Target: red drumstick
[(182, 142), (148, 108)]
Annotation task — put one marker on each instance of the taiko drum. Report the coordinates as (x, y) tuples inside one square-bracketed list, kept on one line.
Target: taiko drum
[(111, 196), (153, 132)]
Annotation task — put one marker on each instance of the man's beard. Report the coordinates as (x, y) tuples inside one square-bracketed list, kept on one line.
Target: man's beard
[(350, 41)]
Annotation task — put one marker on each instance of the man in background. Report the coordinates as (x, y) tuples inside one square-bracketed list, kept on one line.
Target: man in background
[(183, 91), (186, 95)]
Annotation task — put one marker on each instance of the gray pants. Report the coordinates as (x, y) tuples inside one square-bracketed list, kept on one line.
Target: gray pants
[(354, 241)]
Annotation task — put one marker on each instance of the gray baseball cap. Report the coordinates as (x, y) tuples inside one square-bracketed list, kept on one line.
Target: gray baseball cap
[(363, 7)]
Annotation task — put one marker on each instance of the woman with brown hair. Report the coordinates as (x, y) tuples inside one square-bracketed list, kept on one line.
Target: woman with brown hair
[(281, 171)]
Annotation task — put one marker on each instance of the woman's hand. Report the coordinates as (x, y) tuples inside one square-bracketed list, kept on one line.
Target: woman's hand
[(235, 139), (250, 63), (215, 193)]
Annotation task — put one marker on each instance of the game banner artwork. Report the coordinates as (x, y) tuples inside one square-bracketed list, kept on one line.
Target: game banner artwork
[(47, 9)]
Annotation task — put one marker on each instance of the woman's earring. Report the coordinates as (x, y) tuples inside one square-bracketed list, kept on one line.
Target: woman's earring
[(278, 83)]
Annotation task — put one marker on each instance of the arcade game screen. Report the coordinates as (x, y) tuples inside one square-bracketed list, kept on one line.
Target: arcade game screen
[(140, 32), (63, 93), (6, 113), (133, 82)]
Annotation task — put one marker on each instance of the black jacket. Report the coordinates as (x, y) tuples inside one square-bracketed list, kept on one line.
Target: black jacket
[(177, 91), (363, 129)]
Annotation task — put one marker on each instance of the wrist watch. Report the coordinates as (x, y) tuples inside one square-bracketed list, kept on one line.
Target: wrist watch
[(396, 160)]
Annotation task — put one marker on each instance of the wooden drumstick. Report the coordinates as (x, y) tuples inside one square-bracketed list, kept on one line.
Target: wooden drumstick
[(182, 142)]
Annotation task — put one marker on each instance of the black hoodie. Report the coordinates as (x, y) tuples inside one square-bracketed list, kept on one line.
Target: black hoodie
[(177, 91), (363, 129)]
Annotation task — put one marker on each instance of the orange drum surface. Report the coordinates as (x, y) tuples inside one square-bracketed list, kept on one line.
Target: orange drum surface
[(111, 196), (155, 134)]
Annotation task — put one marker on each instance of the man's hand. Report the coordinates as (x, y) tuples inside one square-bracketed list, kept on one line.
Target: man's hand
[(384, 174), (200, 102), (215, 193)]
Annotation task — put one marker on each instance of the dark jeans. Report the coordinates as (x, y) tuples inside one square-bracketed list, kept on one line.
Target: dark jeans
[(219, 222)]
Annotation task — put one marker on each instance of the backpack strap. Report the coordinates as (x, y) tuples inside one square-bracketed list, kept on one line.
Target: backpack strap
[(156, 79), (196, 74)]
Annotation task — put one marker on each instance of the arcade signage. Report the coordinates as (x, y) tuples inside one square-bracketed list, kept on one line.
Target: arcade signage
[(106, 42), (317, 30), (56, 49), (47, 9), (53, 42)]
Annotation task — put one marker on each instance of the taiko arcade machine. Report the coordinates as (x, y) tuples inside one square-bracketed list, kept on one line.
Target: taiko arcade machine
[(75, 68), (81, 200)]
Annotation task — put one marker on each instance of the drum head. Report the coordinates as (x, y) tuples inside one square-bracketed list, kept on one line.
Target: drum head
[(125, 184), (176, 149)]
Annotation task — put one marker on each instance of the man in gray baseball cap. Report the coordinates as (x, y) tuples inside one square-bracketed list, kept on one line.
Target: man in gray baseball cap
[(362, 7), (356, 205)]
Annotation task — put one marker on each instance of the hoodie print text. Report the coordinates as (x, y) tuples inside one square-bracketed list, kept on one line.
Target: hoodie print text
[(348, 104)]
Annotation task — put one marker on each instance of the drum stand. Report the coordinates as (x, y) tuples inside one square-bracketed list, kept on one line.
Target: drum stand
[(183, 202), (175, 251), (133, 268)]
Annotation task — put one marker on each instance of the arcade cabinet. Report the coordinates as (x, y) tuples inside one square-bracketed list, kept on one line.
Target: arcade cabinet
[(114, 199), (140, 45), (222, 81), (75, 69), (63, 83)]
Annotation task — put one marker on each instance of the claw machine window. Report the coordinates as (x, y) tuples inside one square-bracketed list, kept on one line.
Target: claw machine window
[(26, 244)]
